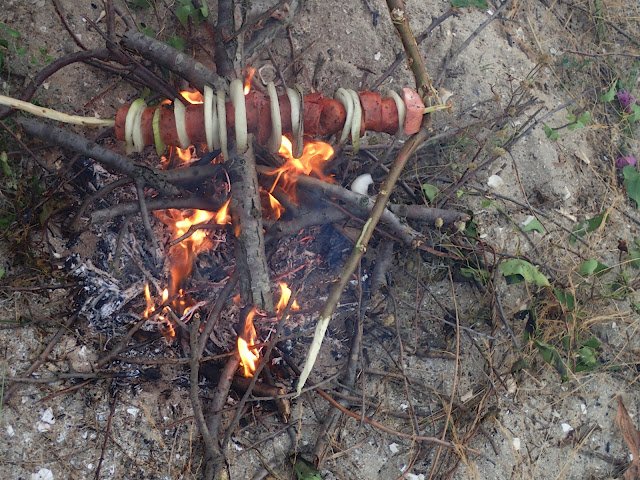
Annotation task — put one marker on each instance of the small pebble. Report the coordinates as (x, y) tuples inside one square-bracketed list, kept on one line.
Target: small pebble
[(394, 448)]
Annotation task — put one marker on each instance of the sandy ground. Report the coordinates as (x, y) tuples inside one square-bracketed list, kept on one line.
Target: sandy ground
[(531, 426)]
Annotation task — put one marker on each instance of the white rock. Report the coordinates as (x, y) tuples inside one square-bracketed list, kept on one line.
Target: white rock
[(516, 443), (583, 408), (43, 474), (412, 476), (377, 56), (394, 447), (566, 427), (10, 431), (495, 181)]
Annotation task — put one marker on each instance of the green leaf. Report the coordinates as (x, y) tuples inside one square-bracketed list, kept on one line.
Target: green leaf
[(304, 469), (470, 3), (533, 224), (528, 272), (183, 13), (4, 164), (565, 299), (4, 43), (592, 267), (593, 342), (553, 358), (22, 50), (1, 272), (176, 42), (635, 116), (431, 191), (632, 183), (610, 95), (634, 253), (520, 364), (148, 31), (586, 361), (204, 10), (636, 306), (12, 33), (486, 203), (580, 121), (588, 226), (571, 118), (550, 132)]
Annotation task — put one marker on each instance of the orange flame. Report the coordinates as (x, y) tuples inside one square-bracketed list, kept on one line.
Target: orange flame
[(150, 306), (222, 216), (284, 299), (247, 79), (276, 207), (248, 337), (313, 161), (183, 155)]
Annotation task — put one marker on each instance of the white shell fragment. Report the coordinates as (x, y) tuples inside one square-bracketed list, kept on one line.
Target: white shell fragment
[(516, 443), (43, 474), (566, 427), (361, 184), (46, 421), (394, 448), (495, 181)]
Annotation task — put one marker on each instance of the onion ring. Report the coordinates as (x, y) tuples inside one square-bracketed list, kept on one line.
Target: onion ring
[(296, 137), (236, 90), (275, 140), (402, 110), (134, 113), (222, 123), (179, 111), (347, 102), (157, 136), (356, 121)]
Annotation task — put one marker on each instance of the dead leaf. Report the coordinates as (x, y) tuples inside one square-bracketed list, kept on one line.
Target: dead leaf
[(632, 438)]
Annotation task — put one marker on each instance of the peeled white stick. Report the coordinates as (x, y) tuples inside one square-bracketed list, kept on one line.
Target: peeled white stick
[(356, 121), (236, 91), (275, 140), (314, 349), (222, 122), (346, 100), (136, 107), (179, 111), (294, 100), (402, 110), (55, 115)]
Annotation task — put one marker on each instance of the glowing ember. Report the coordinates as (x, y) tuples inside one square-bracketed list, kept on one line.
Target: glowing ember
[(247, 338), (284, 299), (192, 97), (312, 162), (247, 79)]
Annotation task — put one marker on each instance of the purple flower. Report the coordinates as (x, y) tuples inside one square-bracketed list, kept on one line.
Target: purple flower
[(622, 162), (626, 100)]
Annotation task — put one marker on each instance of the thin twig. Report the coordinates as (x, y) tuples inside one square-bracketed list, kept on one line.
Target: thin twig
[(466, 43)]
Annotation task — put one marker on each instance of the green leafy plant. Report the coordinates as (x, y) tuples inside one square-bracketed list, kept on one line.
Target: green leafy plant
[(7, 35), (186, 11), (516, 270), (579, 122), (632, 183), (587, 226)]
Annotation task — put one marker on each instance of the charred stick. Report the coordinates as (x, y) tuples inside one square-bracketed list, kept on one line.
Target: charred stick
[(246, 217), (108, 158), (162, 54), (224, 28), (144, 212), (241, 385), (211, 446), (162, 203), (281, 229), (270, 30), (97, 195)]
